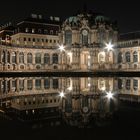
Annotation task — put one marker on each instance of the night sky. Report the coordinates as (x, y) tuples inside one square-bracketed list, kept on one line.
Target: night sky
[(126, 12)]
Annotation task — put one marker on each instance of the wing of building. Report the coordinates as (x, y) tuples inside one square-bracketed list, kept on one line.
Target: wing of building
[(86, 41)]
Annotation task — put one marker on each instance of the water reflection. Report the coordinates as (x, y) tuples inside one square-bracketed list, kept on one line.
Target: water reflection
[(72, 101)]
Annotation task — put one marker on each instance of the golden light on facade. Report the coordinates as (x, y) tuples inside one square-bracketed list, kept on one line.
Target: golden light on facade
[(109, 46)]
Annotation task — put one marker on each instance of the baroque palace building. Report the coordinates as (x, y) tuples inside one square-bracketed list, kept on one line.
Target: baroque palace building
[(87, 41)]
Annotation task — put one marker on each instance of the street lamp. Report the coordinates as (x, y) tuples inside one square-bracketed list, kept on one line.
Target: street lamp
[(61, 48)]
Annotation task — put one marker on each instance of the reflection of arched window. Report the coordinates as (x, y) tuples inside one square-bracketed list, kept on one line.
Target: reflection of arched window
[(120, 84), (135, 57), (46, 83), (68, 37), (135, 84), (127, 56), (21, 57), (101, 57), (55, 83), (120, 57), (38, 58), (13, 57), (29, 58), (128, 81), (46, 58), (55, 58), (8, 57)]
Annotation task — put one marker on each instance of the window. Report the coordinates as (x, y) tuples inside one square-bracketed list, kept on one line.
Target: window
[(42, 40), (51, 32), (24, 38), (68, 37), (84, 37), (29, 39), (46, 58), (26, 30), (8, 57), (33, 30), (46, 83), (13, 57), (135, 57), (128, 81), (55, 58), (120, 57), (39, 30), (45, 31), (33, 39), (21, 85), (135, 84), (46, 40), (29, 84), (3, 56), (21, 57), (127, 56), (38, 40), (29, 58), (38, 84), (38, 58), (54, 41), (120, 84), (50, 41), (55, 83)]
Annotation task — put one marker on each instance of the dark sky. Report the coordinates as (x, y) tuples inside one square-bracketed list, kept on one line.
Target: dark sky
[(126, 12)]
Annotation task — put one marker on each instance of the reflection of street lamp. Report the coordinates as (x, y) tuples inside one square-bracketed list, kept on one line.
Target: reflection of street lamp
[(109, 95), (109, 46)]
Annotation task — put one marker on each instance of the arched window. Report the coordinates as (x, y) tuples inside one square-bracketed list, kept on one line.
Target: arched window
[(135, 56), (38, 58), (29, 84), (68, 37), (55, 83), (3, 56), (29, 58), (46, 83), (38, 83), (128, 81), (135, 84), (84, 37), (120, 58), (21, 57), (101, 36), (55, 58), (46, 58), (13, 57), (21, 85), (8, 57), (127, 56)]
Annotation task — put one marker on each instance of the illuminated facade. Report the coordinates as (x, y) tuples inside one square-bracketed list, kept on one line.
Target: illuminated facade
[(87, 41)]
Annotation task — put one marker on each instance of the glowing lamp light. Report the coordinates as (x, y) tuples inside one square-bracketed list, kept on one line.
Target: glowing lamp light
[(61, 94), (109, 46), (109, 95), (61, 48), (70, 88)]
